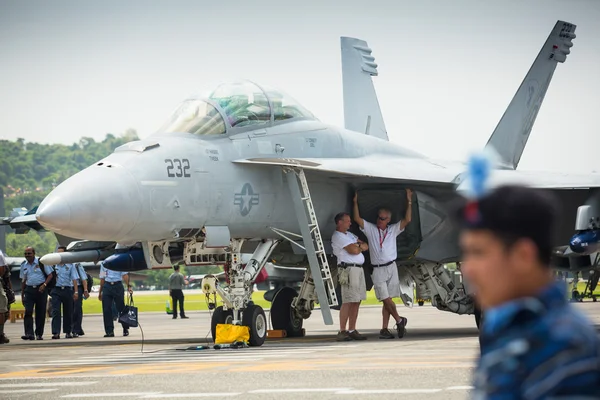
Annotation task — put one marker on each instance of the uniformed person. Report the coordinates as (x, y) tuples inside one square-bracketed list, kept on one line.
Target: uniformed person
[(3, 299), (82, 291), (34, 294), (111, 290), (63, 296), (176, 283), (348, 248), (383, 254), (534, 344)]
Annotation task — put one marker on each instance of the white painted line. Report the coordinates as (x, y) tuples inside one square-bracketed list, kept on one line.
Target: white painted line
[(123, 394), (70, 376), (28, 391), (142, 362), (389, 391), (177, 395), (460, 388), (298, 390), (42, 384)]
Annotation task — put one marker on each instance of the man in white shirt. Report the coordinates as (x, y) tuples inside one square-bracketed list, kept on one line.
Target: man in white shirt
[(348, 250), (383, 253)]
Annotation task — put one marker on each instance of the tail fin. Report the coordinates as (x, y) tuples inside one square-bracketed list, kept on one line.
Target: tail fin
[(511, 135), (361, 108)]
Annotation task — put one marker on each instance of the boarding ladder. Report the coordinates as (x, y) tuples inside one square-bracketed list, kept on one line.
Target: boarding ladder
[(313, 242)]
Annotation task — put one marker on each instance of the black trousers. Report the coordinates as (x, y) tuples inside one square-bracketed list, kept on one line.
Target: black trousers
[(34, 299), (78, 312), (62, 298), (112, 291), (177, 295)]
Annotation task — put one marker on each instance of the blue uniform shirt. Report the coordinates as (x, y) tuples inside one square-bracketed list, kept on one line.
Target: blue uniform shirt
[(65, 274), (110, 275), (82, 273), (32, 274), (538, 348)]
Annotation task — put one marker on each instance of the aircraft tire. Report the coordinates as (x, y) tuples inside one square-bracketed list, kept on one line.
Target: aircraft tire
[(281, 313), (254, 318), (220, 316)]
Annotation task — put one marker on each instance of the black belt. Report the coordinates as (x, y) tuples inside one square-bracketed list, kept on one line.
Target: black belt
[(114, 283), (64, 287), (345, 265), (34, 286), (382, 265)]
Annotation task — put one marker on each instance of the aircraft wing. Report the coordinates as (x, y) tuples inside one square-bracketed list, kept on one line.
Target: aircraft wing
[(379, 167), (412, 171), (541, 179)]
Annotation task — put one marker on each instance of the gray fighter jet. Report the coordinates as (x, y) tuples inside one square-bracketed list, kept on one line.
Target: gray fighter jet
[(249, 170)]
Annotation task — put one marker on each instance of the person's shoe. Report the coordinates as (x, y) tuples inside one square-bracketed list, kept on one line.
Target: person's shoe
[(27, 337), (401, 327), (39, 337), (4, 339), (342, 336), (354, 335), (68, 336), (75, 335), (125, 332), (385, 334), (55, 336), (81, 333), (184, 317), (110, 335), (174, 316)]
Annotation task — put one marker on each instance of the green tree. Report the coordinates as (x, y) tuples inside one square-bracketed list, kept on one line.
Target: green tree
[(43, 242)]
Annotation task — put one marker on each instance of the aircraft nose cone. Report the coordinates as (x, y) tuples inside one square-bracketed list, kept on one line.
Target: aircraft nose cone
[(99, 203), (54, 213)]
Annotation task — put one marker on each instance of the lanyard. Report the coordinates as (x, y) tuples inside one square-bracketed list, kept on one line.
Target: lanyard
[(384, 236)]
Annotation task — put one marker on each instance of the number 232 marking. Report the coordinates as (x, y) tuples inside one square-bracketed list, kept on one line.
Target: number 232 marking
[(181, 167)]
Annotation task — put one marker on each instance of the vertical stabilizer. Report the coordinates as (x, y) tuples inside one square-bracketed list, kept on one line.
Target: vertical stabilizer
[(511, 134), (361, 108)]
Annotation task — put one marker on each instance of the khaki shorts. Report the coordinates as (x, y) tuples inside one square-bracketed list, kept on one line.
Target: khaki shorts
[(3, 300), (356, 289), (386, 282)]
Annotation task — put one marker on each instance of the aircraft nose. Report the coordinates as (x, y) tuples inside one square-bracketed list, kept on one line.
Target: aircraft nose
[(102, 202)]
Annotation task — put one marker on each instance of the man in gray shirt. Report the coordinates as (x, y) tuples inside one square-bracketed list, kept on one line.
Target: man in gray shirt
[(176, 283)]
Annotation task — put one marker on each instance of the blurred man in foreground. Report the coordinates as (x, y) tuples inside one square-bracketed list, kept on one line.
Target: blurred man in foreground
[(534, 344)]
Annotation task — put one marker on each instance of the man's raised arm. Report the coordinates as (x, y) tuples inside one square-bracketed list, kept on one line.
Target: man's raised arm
[(356, 214)]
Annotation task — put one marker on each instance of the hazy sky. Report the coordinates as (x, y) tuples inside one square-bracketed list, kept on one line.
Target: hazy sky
[(448, 69)]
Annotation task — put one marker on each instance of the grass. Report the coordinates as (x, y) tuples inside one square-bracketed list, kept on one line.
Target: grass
[(196, 301)]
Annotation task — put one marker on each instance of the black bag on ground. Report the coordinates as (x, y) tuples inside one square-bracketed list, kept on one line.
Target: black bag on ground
[(52, 282), (129, 315)]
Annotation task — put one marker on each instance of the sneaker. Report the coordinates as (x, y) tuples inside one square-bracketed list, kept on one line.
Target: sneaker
[(385, 334), (4, 339), (356, 336), (342, 336), (401, 327)]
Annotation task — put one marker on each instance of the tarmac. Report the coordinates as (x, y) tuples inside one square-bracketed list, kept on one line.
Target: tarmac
[(433, 361)]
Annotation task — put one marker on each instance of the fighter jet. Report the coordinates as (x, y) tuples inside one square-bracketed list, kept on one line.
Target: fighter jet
[(248, 169)]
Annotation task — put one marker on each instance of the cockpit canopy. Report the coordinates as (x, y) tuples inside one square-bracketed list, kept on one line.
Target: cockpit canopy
[(235, 107)]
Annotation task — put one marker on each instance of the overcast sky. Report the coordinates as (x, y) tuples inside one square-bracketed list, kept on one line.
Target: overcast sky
[(447, 69)]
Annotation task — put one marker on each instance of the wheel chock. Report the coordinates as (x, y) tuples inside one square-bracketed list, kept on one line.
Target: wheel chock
[(276, 333)]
